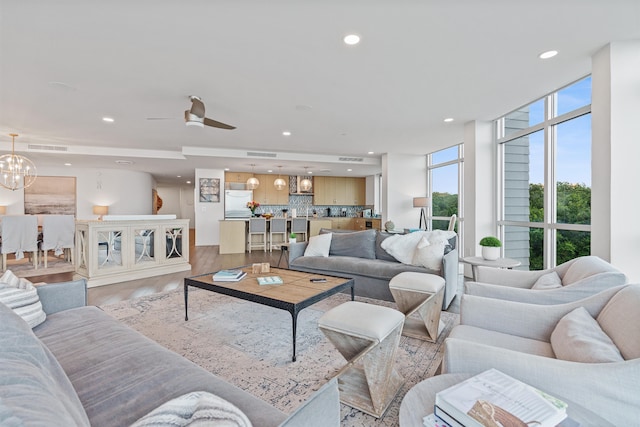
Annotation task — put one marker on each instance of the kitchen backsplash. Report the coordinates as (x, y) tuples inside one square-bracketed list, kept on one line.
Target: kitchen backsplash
[(304, 204)]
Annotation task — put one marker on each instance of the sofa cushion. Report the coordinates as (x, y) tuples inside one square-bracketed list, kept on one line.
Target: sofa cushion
[(318, 245), (197, 408), (34, 390), (120, 375), (360, 244), (578, 337), (548, 281), (380, 252), (620, 320), (584, 267), (20, 295), (499, 339)]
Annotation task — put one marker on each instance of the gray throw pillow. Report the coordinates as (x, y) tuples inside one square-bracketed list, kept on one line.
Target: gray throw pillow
[(381, 253), (359, 244)]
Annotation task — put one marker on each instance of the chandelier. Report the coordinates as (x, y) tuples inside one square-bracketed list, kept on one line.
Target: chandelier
[(279, 183), (252, 183), (16, 171), (305, 184)]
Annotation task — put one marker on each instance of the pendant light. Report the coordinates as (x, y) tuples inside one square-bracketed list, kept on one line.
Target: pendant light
[(16, 171), (279, 183), (252, 183), (305, 183)]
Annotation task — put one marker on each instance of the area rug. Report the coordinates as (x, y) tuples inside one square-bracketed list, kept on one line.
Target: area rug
[(249, 345)]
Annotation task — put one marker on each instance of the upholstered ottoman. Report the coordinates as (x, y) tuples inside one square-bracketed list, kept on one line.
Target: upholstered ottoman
[(422, 294), (367, 336)]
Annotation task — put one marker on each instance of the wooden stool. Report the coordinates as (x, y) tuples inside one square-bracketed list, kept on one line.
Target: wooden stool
[(367, 336), (419, 293)]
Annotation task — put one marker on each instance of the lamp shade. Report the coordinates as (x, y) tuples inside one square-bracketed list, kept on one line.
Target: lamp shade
[(3, 210), (100, 210), (252, 183), (420, 202)]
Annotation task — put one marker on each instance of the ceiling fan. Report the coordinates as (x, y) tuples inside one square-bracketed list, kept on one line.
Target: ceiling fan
[(195, 116)]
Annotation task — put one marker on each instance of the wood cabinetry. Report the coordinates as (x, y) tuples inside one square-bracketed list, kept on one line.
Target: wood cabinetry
[(316, 224), (237, 177), (267, 194), (339, 190), (361, 223), (342, 223)]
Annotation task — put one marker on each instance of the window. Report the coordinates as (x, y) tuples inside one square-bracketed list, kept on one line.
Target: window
[(545, 185), (445, 187)]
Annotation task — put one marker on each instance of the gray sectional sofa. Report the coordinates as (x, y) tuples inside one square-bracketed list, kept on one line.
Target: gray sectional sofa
[(360, 255), (82, 367)]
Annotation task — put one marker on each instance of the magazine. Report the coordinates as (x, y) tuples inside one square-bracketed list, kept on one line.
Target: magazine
[(270, 280), (229, 276)]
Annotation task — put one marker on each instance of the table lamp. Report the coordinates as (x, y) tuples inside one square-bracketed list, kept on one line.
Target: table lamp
[(100, 210)]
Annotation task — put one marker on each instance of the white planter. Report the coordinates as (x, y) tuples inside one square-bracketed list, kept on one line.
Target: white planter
[(490, 253), (293, 240)]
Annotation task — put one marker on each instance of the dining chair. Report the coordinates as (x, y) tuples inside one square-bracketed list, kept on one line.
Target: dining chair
[(58, 233), (19, 235)]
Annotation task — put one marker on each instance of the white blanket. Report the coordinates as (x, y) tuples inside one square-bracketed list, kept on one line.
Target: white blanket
[(19, 234), (57, 232)]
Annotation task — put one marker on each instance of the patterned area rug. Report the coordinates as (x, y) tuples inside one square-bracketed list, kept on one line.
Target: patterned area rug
[(249, 345)]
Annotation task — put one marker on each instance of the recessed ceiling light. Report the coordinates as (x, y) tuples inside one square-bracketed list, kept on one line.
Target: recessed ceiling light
[(67, 164), (351, 39), (309, 172), (370, 152), (286, 133), (270, 170), (548, 54), (349, 170), (448, 119), (227, 169), (108, 119), (179, 176), (188, 182), (124, 162)]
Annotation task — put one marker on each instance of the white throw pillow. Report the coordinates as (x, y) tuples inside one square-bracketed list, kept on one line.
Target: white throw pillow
[(318, 245), (22, 297), (402, 246), (428, 254), (579, 338), (198, 408), (548, 281)]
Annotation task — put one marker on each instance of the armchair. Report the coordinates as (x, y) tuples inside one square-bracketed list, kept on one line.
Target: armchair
[(577, 279), (515, 338)]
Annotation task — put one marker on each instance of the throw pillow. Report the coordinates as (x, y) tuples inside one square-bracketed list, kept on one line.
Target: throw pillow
[(360, 244), (579, 338), (428, 254), (548, 281), (21, 296), (402, 246), (197, 408), (318, 245), (381, 253)]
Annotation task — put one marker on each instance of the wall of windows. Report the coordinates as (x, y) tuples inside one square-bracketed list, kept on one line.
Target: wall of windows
[(444, 178), (545, 178)]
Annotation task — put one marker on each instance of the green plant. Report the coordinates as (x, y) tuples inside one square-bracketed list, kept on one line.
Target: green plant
[(490, 241), (293, 235)]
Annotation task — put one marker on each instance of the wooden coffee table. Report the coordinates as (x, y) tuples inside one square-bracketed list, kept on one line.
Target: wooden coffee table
[(296, 293)]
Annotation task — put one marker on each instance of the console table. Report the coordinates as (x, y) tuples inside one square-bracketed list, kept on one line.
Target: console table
[(120, 250)]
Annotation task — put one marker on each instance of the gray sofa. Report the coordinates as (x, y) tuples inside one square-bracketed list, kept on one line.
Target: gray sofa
[(360, 255), (82, 367)]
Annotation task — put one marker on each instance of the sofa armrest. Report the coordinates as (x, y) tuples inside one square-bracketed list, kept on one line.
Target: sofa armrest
[(606, 389), (525, 320), (296, 250), (511, 278), (450, 273), (322, 409), (62, 296)]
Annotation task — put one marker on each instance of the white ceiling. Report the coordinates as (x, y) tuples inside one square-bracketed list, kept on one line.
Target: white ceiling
[(270, 66)]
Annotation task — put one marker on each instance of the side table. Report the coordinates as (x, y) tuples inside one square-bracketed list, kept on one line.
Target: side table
[(420, 399), (475, 261)]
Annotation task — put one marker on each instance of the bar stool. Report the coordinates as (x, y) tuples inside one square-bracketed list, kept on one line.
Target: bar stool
[(299, 226), (257, 227), (277, 226), (419, 293), (367, 336)]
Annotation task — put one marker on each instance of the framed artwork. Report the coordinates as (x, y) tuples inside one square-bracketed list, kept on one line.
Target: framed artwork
[(51, 195), (210, 190)]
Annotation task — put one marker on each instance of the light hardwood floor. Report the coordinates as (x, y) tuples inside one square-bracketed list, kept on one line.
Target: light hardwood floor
[(203, 259)]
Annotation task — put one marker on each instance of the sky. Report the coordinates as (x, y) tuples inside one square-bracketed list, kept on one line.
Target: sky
[(573, 143)]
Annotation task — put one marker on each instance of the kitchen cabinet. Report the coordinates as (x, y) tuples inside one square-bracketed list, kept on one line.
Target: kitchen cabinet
[(267, 194), (316, 224), (339, 191), (238, 177), (361, 223), (343, 223)]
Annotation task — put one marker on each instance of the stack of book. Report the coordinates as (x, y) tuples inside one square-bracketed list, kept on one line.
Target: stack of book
[(494, 399), (229, 276), (270, 280)]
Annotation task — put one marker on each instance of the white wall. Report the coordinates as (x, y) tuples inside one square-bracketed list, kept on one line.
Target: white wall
[(208, 215), (615, 233), (178, 201), (125, 192), (404, 177)]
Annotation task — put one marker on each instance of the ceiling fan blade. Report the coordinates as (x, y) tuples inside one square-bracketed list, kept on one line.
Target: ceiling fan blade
[(215, 124), (197, 107)]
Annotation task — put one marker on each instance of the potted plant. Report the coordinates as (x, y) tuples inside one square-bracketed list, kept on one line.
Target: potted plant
[(293, 238), (490, 248)]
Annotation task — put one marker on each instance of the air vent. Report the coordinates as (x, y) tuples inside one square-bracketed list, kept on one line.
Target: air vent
[(256, 154), (47, 147), (350, 159)]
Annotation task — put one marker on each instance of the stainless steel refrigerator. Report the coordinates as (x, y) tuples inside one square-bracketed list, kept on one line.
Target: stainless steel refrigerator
[(235, 203)]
